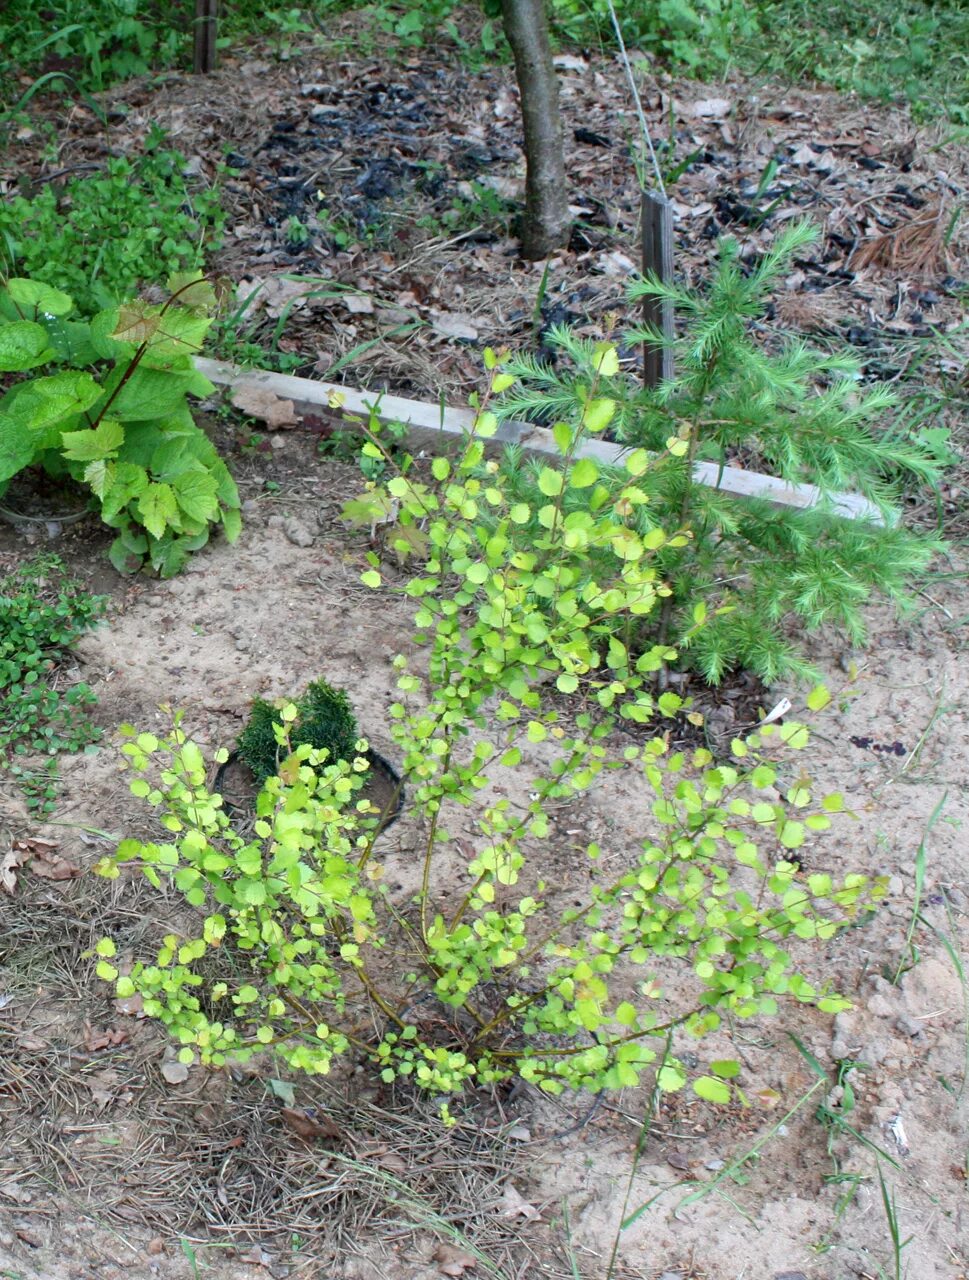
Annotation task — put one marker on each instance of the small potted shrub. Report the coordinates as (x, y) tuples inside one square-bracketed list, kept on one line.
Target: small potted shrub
[(325, 720)]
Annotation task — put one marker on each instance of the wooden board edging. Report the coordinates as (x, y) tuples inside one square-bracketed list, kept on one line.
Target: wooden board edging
[(431, 424)]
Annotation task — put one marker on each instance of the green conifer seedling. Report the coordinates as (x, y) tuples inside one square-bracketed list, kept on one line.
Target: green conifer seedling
[(760, 575), (324, 720)]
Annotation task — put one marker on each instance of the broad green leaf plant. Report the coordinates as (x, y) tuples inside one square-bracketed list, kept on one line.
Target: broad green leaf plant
[(105, 403), (489, 972)]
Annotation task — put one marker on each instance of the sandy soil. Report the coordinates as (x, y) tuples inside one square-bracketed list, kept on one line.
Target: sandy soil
[(95, 1155)]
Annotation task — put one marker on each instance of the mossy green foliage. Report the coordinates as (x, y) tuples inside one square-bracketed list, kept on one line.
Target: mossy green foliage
[(106, 403), (750, 577), (912, 50), (101, 237), (324, 721), (43, 612)]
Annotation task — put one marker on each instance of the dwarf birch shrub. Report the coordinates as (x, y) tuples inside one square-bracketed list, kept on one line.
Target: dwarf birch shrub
[(301, 949)]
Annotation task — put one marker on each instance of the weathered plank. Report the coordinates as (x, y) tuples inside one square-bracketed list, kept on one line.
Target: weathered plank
[(431, 426)]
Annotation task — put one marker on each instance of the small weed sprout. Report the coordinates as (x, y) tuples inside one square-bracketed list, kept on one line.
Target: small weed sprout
[(43, 612)]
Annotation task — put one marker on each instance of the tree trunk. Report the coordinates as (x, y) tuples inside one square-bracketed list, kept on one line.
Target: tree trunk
[(546, 222)]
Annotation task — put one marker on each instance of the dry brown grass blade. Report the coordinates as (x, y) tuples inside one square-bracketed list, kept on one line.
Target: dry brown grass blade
[(916, 247)]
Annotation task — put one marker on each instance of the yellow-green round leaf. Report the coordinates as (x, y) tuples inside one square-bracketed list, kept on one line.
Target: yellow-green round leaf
[(598, 414), (711, 1089), (584, 473), (818, 698), (605, 360), (725, 1068), (550, 482)]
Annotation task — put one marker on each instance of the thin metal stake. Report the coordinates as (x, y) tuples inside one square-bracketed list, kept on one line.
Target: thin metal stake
[(657, 218), (206, 34)]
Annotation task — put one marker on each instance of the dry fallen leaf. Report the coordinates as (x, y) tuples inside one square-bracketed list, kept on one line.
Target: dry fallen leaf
[(454, 325), (711, 108), (42, 859), (514, 1205), (54, 868), (101, 1095), (93, 1041), (257, 1256), (306, 1126), (358, 304), (131, 1006), (11, 861), (767, 1098), (393, 1162), (261, 403), (33, 1044), (452, 1261), (272, 293)]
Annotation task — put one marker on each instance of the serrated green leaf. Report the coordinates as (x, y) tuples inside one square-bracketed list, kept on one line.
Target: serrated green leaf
[(43, 403), (32, 295), (598, 414), (93, 445), (196, 493), (124, 558), (725, 1068), (191, 289), (670, 1078), (16, 447), (584, 473), (149, 394), (23, 345), (231, 523), (127, 481), (550, 481), (98, 476), (605, 359), (157, 509), (818, 698)]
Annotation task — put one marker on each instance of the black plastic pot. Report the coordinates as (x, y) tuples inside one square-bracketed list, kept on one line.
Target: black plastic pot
[(236, 783)]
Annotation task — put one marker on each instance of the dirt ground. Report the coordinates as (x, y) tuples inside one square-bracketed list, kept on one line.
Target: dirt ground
[(109, 1171), (105, 1169)]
